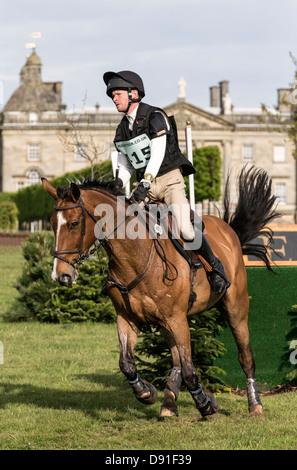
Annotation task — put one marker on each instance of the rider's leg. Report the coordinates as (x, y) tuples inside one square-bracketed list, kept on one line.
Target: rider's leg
[(217, 276), (171, 189)]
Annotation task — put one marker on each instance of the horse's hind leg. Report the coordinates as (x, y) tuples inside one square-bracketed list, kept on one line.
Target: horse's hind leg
[(237, 319), (144, 391), (205, 402), (169, 406)]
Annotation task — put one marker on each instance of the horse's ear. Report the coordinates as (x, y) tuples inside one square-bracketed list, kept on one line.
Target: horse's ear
[(49, 188), (75, 192)]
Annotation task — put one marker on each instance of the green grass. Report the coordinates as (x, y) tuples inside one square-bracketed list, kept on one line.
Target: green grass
[(60, 389), (270, 324)]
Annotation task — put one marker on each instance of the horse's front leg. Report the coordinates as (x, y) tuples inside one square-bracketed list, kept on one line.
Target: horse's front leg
[(171, 392), (204, 401), (144, 391)]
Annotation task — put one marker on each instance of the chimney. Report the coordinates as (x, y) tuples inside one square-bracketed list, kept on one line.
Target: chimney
[(214, 96), (224, 89), (283, 100)]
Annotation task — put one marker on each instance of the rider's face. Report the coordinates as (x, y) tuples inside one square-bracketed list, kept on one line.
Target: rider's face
[(121, 100)]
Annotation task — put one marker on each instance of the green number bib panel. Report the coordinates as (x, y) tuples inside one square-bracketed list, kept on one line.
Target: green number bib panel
[(137, 150)]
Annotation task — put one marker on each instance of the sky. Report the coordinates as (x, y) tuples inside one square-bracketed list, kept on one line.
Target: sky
[(247, 42)]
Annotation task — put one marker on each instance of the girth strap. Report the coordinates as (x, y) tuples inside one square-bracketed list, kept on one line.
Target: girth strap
[(126, 289), (137, 280)]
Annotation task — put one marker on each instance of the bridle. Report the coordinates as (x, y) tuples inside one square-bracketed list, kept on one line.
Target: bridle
[(82, 256)]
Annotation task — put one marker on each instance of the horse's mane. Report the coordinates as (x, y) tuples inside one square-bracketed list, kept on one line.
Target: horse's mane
[(98, 184)]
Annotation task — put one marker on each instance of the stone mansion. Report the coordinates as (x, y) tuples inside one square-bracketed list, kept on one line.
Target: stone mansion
[(35, 127)]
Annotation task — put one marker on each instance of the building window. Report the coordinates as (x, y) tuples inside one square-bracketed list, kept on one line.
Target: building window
[(279, 153), (281, 192), (33, 153), (33, 118), (33, 177), (20, 185), (80, 153), (247, 153)]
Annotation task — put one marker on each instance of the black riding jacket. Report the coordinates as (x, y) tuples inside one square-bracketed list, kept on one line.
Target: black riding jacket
[(149, 123)]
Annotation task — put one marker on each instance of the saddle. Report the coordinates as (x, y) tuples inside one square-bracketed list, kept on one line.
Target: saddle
[(194, 260), (192, 257)]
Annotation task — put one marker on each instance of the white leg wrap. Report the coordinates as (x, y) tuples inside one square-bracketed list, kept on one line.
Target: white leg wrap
[(252, 392)]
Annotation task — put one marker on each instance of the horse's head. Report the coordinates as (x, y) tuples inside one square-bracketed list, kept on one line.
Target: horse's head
[(73, 236)]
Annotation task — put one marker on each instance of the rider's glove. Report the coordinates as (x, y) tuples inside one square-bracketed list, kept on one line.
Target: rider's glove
[(141, 191)]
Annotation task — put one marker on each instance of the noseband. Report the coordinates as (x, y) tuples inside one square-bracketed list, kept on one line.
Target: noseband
[(82, 256)]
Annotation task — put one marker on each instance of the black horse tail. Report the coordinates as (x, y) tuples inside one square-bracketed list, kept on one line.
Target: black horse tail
[(255, 209)]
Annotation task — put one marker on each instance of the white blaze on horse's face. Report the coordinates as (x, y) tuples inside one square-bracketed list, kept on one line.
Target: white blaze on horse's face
[(61, 221)]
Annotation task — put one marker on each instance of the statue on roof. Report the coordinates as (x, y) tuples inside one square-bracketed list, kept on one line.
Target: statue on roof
[(182, 89)]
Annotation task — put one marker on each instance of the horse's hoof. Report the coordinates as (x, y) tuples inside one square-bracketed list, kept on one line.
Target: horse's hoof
[(169, 407), (148, 398), (211, 407), (256, 411), (167, 413)]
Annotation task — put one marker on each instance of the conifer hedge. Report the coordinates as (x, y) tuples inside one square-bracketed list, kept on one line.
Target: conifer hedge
[(153, 356), (8, 215), (34, 203), (207, 179), (40, 298)]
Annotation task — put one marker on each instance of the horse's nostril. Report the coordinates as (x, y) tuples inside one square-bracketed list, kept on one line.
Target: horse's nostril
[(65, 280)]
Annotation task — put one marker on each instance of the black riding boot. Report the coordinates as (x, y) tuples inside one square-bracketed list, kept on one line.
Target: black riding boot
[(217, 277)]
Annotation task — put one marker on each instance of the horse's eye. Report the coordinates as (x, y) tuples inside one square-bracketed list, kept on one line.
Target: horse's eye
[(74, 225)]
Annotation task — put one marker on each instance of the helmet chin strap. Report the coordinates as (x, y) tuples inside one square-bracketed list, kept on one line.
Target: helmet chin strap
[(135, 100)]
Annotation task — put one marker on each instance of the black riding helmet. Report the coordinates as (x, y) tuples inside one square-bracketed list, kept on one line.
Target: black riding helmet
[(125, 80)]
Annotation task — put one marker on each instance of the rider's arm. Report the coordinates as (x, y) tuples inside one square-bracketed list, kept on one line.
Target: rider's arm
[(159, 127), (125, 169)]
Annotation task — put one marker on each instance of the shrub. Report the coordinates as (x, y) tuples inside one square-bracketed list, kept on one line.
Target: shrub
[(207, 179), (154, 359), (40, 298), (8, 215), (7, 197), (83, 301)]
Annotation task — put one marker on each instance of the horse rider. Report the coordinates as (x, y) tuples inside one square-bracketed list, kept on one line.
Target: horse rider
[(147, 142)]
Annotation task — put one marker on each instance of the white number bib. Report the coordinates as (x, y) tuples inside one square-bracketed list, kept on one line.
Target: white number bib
[(137, 150)]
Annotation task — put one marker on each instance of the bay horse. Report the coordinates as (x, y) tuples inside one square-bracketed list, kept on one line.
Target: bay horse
[(142, 294)]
